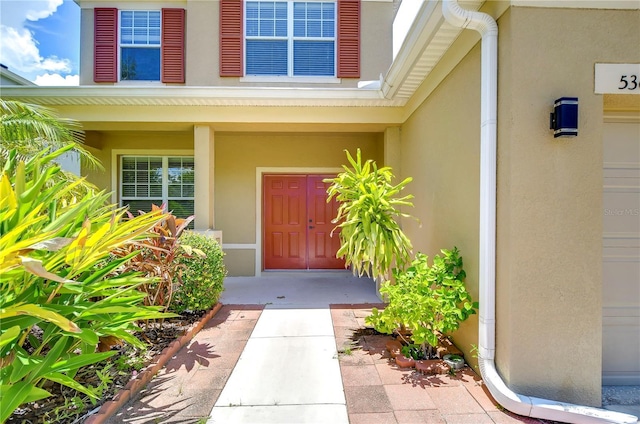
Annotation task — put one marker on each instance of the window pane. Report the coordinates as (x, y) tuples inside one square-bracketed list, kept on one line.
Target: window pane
[(266, 57), (128, 177), (142, 163), (155, 190), (181, 208), (154, 36), (126, 36), (299, 11), (126, 19), (299, 28), (140, 19), (174, 190), (267, 29), (140, 64), (128, 190), (281, 10), (139, 36), (188, 190), (252, 10), (140, 205), (188, 176), (313, 58), (281, 28), (142, 177), (328, 11), (328, 29), (142, 191), (314, 29), (128, 163), (252, 28), (267, 10), (154, 19), (313, 10)]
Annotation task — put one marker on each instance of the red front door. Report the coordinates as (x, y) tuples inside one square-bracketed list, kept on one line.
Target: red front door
[(297, 223)]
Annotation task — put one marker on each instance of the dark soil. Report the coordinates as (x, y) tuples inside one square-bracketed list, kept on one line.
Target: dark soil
[(67, 406)]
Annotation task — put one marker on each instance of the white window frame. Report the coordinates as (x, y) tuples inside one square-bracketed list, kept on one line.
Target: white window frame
[(116, 169), (121, 45), (290, 39)]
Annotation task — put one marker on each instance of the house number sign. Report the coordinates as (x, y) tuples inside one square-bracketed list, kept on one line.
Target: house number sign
[(617, 78)]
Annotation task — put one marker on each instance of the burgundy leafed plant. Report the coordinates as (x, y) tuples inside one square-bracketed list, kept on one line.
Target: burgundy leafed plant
[(156, 258)]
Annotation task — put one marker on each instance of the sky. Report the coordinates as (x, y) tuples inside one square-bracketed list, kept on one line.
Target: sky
[(40, 40)]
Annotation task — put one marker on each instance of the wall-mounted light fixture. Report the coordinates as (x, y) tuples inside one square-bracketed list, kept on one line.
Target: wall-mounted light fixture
[(564, 118)]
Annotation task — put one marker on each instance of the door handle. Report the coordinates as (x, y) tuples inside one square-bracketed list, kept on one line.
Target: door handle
[(311, 227)]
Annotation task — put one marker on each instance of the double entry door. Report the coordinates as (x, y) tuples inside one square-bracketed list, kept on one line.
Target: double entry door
[(297, 223)]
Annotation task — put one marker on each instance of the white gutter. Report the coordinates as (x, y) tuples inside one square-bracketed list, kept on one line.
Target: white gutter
[(514, 402)]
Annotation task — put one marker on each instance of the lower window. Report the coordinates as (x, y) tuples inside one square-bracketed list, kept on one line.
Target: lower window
[(147, 180)]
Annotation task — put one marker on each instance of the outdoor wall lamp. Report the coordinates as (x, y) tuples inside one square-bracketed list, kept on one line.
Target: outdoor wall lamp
[(564, 118)]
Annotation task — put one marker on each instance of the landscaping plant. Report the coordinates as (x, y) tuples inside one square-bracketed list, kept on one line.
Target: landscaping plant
[(59, 297), (426, 301), (27, 130), (371, 239), (202, 275), (158, 257)]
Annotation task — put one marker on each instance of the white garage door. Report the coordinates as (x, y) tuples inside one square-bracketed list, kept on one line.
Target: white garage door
[(621, 250)]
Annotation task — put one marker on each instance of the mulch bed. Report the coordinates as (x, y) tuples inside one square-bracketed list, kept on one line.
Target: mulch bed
[(66, 406)]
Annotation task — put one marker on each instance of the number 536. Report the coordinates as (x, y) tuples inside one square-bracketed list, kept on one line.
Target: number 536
[(629, 82)]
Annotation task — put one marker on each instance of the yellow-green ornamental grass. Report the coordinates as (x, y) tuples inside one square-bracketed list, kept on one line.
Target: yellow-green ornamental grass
[(371, 238)]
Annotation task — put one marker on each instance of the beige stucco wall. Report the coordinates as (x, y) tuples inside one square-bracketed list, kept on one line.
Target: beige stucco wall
[(549, 278), (103, 143), (202, 46), (203, 22), (440, 150), (549, 226), (238, 155)]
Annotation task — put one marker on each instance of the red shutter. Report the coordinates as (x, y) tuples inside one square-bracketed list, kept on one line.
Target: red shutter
[(231, 40), (172, 53), (348, 38), (105, 44)]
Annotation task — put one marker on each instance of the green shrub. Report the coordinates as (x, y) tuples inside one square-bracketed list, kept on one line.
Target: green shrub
[(202, 276), (54, 278), (427, 300)]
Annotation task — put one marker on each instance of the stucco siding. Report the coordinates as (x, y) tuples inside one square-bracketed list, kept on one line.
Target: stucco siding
[(550, 199), (238, 155), (440, 150), (202, 45), (139, 143)]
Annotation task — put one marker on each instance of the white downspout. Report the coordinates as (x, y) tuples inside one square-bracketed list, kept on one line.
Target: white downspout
[(519, 404)]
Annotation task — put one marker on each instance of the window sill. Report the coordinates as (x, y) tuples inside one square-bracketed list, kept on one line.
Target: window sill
[(300, 80), (141, 83)]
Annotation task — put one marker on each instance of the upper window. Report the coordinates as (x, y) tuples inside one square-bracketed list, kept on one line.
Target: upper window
[(140, 45), (287, 38), (147, 180)]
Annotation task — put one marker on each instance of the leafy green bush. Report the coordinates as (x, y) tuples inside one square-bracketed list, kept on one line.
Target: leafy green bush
[(54, 279), (427, 300), (202, 276)]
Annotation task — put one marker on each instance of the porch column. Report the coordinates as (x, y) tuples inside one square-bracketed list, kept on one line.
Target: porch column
[(204, 162), (392, 149)]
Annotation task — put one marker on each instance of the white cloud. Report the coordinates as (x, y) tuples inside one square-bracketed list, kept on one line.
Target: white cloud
[(18, 49), (57, 80)]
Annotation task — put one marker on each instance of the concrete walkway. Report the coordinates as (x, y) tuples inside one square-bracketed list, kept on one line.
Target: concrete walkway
[(287, 373), (292, 350), (283, 349)]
